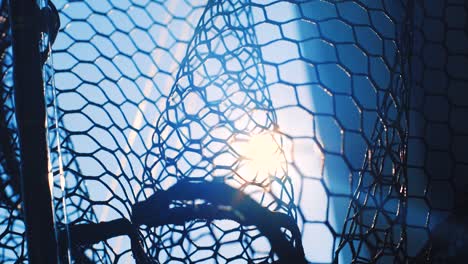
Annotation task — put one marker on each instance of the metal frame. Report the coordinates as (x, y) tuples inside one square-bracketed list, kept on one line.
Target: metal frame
[(31, 119)]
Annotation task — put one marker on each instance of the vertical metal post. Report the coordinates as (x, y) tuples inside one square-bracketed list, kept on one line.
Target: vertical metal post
[(31, 119)]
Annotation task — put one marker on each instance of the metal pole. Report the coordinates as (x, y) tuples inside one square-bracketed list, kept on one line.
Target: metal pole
[(31, 120)]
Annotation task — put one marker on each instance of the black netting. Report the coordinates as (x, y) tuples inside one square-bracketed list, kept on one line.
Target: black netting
[(375, 225), (343, 117), (438, 135), (12, 241)]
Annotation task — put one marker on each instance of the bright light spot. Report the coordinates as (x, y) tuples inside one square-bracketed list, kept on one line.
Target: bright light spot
[(261, 158)]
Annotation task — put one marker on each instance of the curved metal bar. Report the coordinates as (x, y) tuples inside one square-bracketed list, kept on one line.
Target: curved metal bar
[(224, 202), (155, 211), (88, 234)]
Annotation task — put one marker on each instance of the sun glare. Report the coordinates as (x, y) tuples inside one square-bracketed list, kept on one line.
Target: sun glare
[(261, 158)]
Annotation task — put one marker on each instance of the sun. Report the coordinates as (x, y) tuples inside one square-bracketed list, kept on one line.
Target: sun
[(261, 158)]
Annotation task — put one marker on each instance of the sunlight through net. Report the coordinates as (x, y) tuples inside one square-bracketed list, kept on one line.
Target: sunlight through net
[(320, 110)]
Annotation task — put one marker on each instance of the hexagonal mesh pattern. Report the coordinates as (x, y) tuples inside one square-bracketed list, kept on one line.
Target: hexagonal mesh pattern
[(12, 242), (319, 110)]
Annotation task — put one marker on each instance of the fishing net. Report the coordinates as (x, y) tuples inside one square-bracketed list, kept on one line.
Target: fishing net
[(344, 117), (12, 241)]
